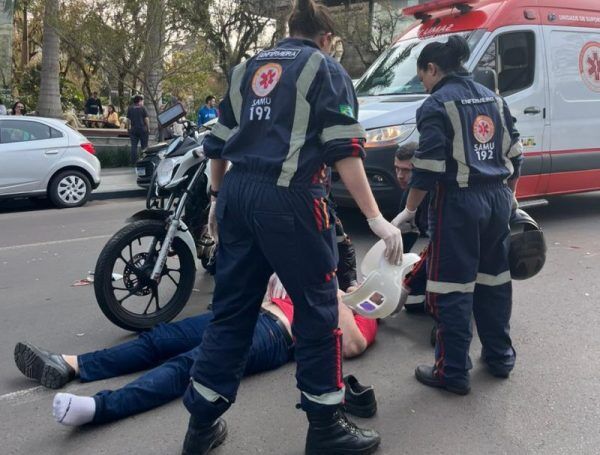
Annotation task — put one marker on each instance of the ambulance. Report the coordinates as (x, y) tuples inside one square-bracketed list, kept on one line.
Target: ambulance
[(542, 56)]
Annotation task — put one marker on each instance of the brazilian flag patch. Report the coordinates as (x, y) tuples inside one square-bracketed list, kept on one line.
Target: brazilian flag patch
[(346, 109)]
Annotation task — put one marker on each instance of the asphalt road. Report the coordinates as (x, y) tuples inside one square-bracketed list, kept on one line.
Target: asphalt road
[(550, 405)]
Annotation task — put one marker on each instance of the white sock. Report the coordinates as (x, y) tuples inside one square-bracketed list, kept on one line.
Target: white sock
[(73, 410)]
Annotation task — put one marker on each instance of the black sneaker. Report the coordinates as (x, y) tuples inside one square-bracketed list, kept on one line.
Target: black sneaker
[(201, 439), (359, 400), (425, 375), (334, 434), (49, 369)]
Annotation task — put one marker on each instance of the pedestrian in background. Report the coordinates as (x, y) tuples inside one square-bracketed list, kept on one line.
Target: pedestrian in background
[(18, 109), (93, 105), (209, 111), (469, 158), (112, 118), (138, 126)]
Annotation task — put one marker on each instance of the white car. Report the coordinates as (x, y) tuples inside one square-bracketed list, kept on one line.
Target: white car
[(43, 157)]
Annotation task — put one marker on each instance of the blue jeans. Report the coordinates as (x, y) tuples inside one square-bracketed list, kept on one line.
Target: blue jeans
[(176, 344)]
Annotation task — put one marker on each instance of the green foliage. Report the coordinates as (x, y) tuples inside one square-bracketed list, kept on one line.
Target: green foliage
[(111, 156)]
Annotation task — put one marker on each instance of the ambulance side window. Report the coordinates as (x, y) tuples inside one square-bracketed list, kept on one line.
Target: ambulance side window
[(508, 64)]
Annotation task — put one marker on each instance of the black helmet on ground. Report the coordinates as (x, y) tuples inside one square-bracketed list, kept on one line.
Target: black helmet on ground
[(527, 254)]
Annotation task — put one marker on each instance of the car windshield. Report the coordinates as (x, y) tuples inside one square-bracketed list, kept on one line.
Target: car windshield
[(395, 72)]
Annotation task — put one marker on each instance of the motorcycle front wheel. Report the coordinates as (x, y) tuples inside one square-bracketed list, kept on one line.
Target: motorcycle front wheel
[(124, 291)]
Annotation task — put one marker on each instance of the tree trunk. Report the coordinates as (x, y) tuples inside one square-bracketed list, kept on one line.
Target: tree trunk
[(153, 62), (49, 101), (25, 39)]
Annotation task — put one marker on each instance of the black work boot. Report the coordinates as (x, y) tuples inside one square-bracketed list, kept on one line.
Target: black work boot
[(334, 434), (202, 438), (425, 374), (359, 400), (49, 369)]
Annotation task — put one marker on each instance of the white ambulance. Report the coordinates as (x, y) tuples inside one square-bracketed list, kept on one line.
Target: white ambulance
[(542, 56)]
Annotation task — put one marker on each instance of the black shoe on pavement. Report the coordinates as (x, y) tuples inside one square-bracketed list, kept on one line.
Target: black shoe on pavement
[(49, 369), (201, 439), (359, 400), (425, 375), (334, 434)]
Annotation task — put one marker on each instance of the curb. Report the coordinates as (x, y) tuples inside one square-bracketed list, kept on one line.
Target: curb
[(118, 194)]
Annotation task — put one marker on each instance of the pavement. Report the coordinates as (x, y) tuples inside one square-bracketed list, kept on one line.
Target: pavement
[(550, 404), (118, 183)]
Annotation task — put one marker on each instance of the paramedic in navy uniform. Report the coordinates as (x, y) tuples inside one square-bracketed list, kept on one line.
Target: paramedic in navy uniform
[(289, 113), (469, 158)]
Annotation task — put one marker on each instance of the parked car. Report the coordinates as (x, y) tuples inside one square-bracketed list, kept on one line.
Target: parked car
[(541, 56), (43, 157)]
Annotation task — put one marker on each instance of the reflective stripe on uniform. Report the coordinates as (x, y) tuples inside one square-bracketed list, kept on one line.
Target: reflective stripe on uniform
[(429, 165), (222, 132), (301, 118), (414, 299), (506, 141), (354, 131), (516, 150), (328, 399), (206, 393), (458, 146), (441, 287), (494, 280), (235, 91)]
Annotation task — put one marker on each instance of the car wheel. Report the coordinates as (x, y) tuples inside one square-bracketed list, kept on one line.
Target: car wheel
[(69, 189)]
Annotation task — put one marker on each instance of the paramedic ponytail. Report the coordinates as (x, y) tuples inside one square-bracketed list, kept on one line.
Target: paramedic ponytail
[(449, 56), (309, 19)]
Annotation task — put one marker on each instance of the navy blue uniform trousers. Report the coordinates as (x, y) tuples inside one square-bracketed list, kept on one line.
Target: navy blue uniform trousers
[(265, 228), (467, 267)]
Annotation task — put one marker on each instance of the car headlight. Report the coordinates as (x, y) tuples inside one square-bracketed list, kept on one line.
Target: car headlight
[(389, 135), (164, 171)]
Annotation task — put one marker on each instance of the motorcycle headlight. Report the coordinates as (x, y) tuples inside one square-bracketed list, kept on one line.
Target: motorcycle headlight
[(164, 171), (389, 135)]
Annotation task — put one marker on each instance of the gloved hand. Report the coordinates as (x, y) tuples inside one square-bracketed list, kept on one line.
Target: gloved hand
[(275, 289), (212, 221), (405, 216), (392, 237)]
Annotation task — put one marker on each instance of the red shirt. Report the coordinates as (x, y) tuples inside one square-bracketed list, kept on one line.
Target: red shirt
[(368, 327)]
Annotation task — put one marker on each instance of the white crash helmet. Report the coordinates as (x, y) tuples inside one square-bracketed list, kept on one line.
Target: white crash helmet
[(380, 293)]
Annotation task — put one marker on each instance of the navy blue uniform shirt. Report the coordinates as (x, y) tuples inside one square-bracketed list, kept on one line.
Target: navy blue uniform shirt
[(289, 111), (467, 137)]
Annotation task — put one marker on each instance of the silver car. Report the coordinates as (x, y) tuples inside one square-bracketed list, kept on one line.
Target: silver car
[(43, 157)]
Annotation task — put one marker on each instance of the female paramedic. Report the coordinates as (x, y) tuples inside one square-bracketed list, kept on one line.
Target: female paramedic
[(290, 112), (469, 158)]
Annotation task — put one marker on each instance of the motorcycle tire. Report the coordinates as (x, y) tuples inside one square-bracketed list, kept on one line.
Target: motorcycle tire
[(103, 276)]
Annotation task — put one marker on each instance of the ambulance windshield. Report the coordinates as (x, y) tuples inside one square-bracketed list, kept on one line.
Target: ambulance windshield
[(395, 71)]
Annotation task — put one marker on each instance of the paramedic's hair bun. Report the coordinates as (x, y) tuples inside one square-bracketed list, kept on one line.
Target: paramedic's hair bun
[(309, 19), (448, 56), (458, 49)]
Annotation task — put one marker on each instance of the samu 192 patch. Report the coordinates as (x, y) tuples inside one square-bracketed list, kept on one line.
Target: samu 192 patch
[(346, 109)]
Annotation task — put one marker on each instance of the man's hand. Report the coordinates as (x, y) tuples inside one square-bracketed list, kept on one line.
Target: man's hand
[(392, 237), (275, 289), (212, 221), (405, 216)]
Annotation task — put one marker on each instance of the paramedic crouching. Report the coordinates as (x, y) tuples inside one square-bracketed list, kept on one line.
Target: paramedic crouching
[(468, 160)]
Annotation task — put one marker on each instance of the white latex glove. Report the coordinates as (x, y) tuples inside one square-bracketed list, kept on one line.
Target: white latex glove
[(212, 221), (405, 216), (392, 237), (275, 289)]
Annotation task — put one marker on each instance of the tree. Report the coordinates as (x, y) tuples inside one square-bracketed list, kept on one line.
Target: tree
[(235, 30), (49, 101)]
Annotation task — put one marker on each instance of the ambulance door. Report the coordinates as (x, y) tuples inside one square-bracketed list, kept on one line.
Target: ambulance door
[(514, 56), (573, 55)]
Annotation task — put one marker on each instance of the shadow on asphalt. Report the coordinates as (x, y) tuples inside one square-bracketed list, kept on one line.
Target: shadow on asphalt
[(25, 205)]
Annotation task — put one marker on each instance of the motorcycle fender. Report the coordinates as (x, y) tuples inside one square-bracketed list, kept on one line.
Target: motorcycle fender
[(184, 234), (154, 214)]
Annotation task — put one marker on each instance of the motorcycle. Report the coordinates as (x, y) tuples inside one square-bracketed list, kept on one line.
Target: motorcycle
[(146, 272)]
